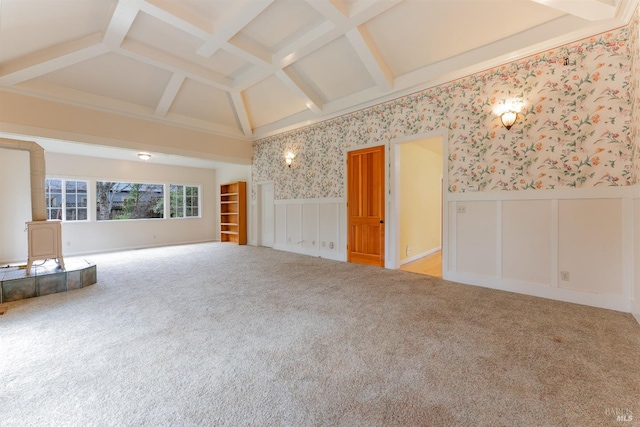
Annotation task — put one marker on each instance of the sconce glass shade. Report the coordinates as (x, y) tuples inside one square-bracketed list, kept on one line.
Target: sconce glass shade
[(508, 118), (144, 156), (289, 158)]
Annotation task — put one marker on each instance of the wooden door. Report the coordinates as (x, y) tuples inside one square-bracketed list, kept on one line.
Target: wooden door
[(365, 206)]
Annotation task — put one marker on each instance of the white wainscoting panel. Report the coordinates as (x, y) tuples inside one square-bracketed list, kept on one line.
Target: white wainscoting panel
[(590, 245), (591, 234), (328, 230), (312, 227), (294, 225), (281, 225), (476, 237), (526, 241), (451, 243), (635, 298)]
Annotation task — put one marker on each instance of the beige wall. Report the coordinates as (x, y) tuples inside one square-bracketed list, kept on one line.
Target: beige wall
[(90, 237), (420, 172), (44, 118)]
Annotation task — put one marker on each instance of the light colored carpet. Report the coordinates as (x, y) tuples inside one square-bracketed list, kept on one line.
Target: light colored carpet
[(221, 335)]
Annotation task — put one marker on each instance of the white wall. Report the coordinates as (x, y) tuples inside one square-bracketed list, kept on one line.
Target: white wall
[(90, 237)]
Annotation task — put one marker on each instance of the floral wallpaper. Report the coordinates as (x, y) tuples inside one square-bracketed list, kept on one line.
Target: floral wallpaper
[(575, 128), (635, 83)]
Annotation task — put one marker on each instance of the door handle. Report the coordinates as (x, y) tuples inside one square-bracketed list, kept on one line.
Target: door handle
[(382, 221)]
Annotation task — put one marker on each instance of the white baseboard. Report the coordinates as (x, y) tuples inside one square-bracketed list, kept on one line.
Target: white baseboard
[(420, 255), (635, 310), (611, 302), (334, 255), (132, 248)]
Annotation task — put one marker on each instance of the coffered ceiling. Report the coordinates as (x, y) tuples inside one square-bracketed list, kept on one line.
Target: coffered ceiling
[(250, 68)]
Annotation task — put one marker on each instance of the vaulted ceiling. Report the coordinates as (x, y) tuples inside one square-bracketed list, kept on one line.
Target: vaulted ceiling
[(250, 68)]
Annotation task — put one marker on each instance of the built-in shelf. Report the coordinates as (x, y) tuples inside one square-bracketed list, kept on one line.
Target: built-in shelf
[(233, 220)]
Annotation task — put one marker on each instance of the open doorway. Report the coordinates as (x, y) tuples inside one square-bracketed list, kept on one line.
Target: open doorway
[(419, 175)]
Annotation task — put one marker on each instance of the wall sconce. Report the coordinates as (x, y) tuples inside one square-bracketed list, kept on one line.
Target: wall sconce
[(289, 158), (508, 118), (144, 156)]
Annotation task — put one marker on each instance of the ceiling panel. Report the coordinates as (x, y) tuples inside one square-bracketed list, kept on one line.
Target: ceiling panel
[(32, 25), (160, 35), (334, 71), (205, 103), (114, 76), (280, 24), (210, 10), (270, 100), (417, 33)]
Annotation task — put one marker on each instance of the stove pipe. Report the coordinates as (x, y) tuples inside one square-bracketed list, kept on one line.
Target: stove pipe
[(37, 169)]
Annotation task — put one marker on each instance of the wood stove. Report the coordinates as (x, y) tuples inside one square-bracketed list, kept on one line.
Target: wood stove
[(45, 242)]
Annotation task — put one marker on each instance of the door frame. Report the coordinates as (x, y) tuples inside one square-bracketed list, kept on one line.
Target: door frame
[(259, 186), (394, 219), (388, 263)]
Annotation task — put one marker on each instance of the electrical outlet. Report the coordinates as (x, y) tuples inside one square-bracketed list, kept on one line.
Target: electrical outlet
[(289, 240), (408, 250), (564, 276), (461, 209), (472, 187), (324, 244), (68, 243), (330, 245)]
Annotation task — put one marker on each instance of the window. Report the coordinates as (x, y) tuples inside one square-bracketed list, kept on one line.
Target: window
[(128, 200), (184, 201), (66, 199)]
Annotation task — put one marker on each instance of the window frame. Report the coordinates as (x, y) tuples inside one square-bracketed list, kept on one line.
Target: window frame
[(184, 206), (63, 199)]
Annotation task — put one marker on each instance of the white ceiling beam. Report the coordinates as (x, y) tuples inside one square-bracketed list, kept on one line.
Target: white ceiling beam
[(591, 10), (169, 95), (252, 77), (282, 59), (82, 98), (366, 10), (249, 51), (52, 59), (121, 20), (231, 22), (176, 15), (335, 11), (371, 58), (311, 100), (241, 112), (151, 56), (77, 97)]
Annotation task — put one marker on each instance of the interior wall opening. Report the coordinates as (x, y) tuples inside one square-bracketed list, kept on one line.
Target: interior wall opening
[(419, 174)]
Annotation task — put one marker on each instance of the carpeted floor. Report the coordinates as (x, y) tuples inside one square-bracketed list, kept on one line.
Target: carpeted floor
[(221, 335)]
